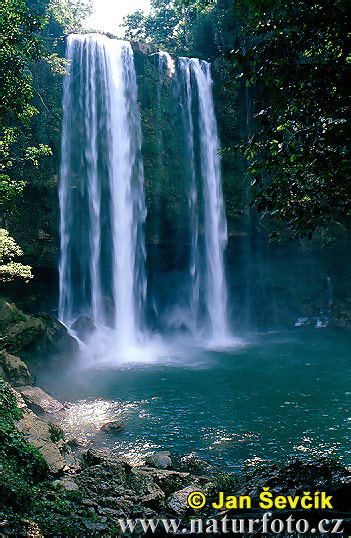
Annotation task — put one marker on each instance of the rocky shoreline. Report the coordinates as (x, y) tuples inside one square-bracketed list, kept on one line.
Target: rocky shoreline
[(54, 486)]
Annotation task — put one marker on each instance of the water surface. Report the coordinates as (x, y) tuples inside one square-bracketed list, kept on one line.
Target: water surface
[(273, 397)]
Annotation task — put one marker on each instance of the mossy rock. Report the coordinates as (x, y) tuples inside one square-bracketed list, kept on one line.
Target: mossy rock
[(23, 333), (9, 314), (22, 465), (13, 370)]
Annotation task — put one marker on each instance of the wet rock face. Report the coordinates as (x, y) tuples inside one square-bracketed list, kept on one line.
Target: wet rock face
[(84, 327), (143, 48), (55, 340)]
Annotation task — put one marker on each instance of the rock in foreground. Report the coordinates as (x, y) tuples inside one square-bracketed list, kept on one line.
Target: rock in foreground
[(114, 426), (14, 370), (40, 339), (39, 401), (160, 460)]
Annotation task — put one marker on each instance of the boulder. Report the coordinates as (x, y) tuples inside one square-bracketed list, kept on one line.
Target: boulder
[(35, 337), (22, 333), (67, 484), (39, 401), (9, 314), (55, 340), (169, 481), (160, 460), (114, 426), (147, 489), (37, 433), (178, 501), (83, 327), (13, 370), (97, 456), (191, 464)]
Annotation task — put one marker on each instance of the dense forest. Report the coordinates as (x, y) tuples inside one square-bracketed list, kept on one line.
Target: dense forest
[(294, 133), (275, 77)]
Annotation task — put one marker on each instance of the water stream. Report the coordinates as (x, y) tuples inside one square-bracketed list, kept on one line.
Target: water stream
[(102, 265)]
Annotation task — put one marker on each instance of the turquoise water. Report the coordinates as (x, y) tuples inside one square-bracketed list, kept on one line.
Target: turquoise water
[(274, 397)]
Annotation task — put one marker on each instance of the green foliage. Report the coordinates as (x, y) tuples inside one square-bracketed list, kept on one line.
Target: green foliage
[(24, 485), (54, 512), (10, 189), (9, 250), (202, 29), (227, 482), (56, 433), (296, 57), (30, 117), (21, 464), (58, 66), (17, 161), (178, 27), (19, 45), (70, 14), (33, 154), (135, 26)]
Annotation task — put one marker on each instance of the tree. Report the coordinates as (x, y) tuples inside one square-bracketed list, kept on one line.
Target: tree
[(297, 59), (9, 251), (70, 14), (176, 26), (134, 25), (20, 45)]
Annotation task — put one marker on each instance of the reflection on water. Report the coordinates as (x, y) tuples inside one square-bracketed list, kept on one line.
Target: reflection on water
[(278, 397)]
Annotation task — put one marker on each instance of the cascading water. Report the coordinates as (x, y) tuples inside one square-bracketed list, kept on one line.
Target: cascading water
[(185, 76), (102, 205), (166, 59), (215, 227), (215, 220), (102, 273)]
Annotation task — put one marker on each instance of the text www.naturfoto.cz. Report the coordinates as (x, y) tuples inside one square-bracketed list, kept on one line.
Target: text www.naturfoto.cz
[(226, 525)]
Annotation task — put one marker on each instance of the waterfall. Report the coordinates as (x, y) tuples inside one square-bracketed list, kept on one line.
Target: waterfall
[(197, 73), (215, 220), (185, 75), (166, 59), (102, 207)]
